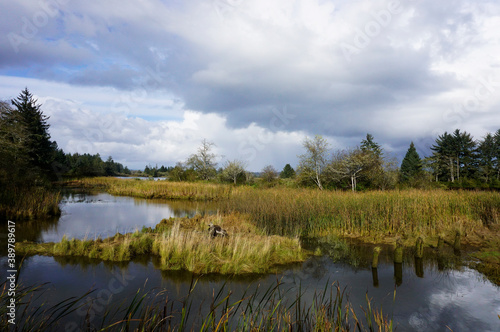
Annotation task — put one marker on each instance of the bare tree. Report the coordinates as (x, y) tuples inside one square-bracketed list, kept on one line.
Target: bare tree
[(204, 162), (350, 164), (269, 173), (233, 169), (313, 163)]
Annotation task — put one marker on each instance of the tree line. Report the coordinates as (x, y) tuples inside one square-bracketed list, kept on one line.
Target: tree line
[(457, 160), (28, 156)]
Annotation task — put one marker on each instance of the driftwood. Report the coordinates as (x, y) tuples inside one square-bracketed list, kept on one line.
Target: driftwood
[(216, 230)]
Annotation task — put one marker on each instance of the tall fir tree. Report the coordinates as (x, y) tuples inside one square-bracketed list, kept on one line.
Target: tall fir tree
[(497, 153), (368, 144), (411, 165), (287, 172), (41, 150), (455, 155), (486, 151)]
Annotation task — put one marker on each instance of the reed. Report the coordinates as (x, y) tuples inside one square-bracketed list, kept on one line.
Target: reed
[(35, 317), (409, 213), (35, 202), (276, 308), (240, 253), (309, 212), (184, 243), (201, 191)]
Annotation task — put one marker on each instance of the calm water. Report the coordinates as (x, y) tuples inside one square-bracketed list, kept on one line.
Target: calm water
[(101, 214), (430, 294)]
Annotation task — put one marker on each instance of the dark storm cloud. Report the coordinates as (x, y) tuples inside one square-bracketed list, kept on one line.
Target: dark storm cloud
[(391, 68)]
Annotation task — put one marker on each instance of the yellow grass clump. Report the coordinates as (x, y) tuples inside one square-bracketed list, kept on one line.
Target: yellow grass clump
[(185, 243), (157, 189), (406, 213)]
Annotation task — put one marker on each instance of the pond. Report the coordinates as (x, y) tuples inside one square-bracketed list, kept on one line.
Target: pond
[(431, 295), (100, 214)]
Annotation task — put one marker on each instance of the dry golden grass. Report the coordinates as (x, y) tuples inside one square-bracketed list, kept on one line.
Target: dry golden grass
[(406, 213), (157, 189), (185, 243), (29, 204)]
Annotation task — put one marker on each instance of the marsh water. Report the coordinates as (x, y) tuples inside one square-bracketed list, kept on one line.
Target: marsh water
[(431, 294)]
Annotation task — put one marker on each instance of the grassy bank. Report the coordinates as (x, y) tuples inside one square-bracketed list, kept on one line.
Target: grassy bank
[(405, 213), (184, 243), (382, 217), (375, 216), (156, 189), (310, 212), (16, 203)]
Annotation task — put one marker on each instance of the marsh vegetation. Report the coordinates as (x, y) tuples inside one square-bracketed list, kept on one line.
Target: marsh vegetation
[(275, 308), (374, 216), (184, 243)]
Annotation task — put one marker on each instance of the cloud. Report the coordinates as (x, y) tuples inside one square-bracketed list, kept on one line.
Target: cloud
[(401, 70), (136, 142)]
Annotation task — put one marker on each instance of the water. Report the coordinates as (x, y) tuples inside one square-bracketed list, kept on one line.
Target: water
[(430, 294), (101, 214)]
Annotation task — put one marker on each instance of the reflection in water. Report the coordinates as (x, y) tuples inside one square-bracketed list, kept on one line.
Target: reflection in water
[(375, 277), (398, 273), (100, 214), (359, 255), (433, 292), (459, 299), (419, 267)]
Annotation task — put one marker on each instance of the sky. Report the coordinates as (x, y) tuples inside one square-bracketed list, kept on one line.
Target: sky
[(145, 81)]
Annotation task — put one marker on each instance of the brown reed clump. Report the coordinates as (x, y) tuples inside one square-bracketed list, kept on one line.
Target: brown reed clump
[(409, 213), (184, 243), (200, 191), (29, 203)]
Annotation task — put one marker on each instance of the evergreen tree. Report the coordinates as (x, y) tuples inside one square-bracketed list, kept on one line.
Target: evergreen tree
[(369, 145), (411, 165), (497, 153), (465, 155), (109, 167), (41, 150), (443, 157), (374, 174), (455, 155), (14, 158), (287, 172), (487, 155)]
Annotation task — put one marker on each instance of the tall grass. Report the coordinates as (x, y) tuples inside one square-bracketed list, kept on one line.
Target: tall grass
[(30, 317), (185, 243), (408, 212), (309, 212), (158, 189), (275, 308), (35, 202), (240, 253)]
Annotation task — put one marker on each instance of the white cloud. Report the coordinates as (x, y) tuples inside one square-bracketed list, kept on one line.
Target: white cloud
[(135, 141), (234, 60)]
